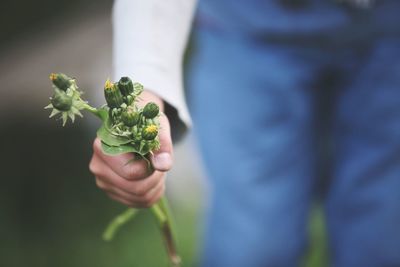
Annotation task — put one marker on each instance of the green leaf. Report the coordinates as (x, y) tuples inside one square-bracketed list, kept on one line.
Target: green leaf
[(108, 138), (102, 113), (116, 150)]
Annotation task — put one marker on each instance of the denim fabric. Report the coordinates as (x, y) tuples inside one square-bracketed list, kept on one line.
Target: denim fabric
[(260, 18), (260, 109), (363, 201)]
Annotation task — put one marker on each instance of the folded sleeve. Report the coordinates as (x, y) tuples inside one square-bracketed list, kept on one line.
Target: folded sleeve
[(149, 40)]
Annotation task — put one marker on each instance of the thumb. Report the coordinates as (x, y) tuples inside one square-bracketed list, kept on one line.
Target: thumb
[(162, 158)]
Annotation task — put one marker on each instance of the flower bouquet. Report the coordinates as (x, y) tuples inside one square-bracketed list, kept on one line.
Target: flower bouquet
[(125, 128)]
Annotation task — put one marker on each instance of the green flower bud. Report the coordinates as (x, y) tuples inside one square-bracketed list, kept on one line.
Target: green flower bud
[(113, 95), (130, 117), (125, 85), (61, 81), (151, 110), (61, 100), (150, 132), (129, 99)]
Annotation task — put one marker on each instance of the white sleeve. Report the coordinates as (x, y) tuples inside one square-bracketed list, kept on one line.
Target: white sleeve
[(149, 41)]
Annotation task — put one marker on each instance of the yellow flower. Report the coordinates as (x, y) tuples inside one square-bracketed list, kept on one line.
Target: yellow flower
[(53, 76), (109, 85), (151, 129), (150, 132), (112, 94)]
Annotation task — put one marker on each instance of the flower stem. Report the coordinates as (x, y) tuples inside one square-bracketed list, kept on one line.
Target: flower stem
[(117, 222), (163, 202), (91, 109), (158, 213), (162, 213)]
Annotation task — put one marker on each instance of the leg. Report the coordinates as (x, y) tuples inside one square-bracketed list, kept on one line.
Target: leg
[(363, 205), (254, 123)]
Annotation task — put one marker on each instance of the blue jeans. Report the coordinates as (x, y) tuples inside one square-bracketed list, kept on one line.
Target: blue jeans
[(260, 109)]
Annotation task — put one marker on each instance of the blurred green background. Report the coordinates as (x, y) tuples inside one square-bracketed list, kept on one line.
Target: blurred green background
[(51, 213)]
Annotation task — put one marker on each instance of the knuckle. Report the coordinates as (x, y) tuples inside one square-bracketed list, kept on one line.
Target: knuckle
[(130, 198), (131, 173), (147, 199), (96, 145), (100, 184), (134, 172), (93, 166), (140, 191)]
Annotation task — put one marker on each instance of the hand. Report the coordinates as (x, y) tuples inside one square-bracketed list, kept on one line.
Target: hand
[(133, 184)]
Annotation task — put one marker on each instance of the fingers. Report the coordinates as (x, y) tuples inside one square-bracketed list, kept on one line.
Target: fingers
[(162, 159), (134, 193), (131, 200), (136, 187), (123, 165), (143, 204)]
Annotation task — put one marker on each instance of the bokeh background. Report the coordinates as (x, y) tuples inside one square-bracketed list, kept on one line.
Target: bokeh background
[(51, 213)]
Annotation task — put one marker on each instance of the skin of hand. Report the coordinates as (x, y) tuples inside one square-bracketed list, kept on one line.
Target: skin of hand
[(133, 184)]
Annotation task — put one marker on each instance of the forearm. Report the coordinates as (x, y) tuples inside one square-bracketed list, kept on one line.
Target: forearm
[(149, 42)]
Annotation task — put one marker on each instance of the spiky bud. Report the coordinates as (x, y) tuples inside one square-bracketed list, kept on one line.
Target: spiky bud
[(125, 85), (113, 95), (150, 132), (61, 100), (61, 81), (151, 110), (130, 117)]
